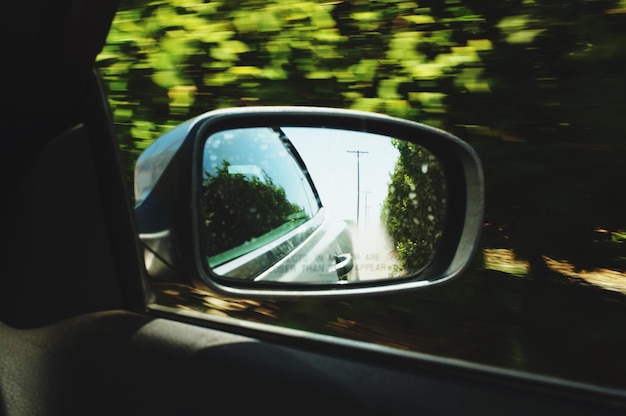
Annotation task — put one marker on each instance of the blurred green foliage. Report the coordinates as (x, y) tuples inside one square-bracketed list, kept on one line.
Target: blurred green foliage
[(535, 86), (166, 61), (503, 76)]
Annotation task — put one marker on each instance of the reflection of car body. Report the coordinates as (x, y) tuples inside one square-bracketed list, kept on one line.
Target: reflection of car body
[(302, 245), (319, 250)]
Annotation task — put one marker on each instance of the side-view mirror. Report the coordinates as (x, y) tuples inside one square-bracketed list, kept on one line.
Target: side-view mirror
[(282, 202)]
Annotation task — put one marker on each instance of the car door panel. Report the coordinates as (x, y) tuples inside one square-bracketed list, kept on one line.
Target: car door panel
[(125, 363)]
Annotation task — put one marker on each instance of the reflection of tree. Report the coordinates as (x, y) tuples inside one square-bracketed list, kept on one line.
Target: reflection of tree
[(415, 205), (238, 208)]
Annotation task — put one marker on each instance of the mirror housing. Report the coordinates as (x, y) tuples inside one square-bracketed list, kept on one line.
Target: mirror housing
[(170, 208)]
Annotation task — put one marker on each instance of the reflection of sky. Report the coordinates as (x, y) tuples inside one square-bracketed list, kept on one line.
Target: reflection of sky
[(332, 163)]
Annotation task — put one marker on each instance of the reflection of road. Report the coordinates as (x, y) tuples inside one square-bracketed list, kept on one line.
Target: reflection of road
[(374, 252)]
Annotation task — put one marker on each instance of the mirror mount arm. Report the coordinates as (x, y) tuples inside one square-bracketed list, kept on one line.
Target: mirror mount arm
[(343, 266)]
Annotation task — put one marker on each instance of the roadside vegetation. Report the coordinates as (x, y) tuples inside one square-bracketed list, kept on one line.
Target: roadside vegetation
[(535, 86)]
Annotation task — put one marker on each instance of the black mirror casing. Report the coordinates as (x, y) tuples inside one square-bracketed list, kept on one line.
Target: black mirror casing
[(168, 183)]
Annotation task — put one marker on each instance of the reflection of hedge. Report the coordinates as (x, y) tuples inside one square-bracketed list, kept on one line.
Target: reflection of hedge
[(415, 206), (238, 209)]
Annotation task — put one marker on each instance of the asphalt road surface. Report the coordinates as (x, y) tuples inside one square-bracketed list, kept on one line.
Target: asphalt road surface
[(374, 252)]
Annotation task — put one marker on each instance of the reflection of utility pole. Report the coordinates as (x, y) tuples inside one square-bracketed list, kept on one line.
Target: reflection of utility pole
[(358, 180), (365, 205)]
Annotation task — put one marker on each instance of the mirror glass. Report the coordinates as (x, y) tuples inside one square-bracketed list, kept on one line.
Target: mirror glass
[(318, 205)]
